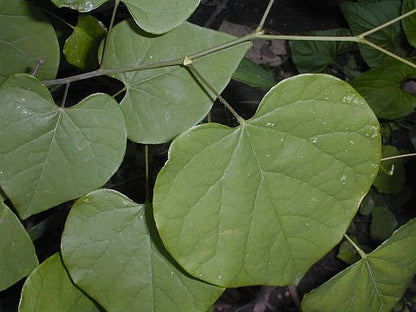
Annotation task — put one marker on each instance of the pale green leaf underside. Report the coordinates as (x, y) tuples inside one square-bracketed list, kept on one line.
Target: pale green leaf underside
[(409, 23), (383, 91), (49, 288), (25, 37), (364, 16), (373, 284), (106, 230), (153, 16), (161, 103), (48, 154), (17, 253), (260, 203)]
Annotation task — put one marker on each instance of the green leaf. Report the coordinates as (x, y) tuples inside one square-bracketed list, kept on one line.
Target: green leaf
[(383, 223), (254, 75), (153, 16), (25, 37), (374, 283), (81, 48), (49, 154), (409, 23), (114, 257), (18, 257), (260, 203), (317, 57), (391, 176), (364, 16), (382, 88), (161, 103), (49, 288)]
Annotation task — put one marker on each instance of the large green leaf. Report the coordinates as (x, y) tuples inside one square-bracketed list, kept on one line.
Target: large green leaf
[(373, 284), (260, 203), (25, 37), (382, 87), (49, 288), (114, 257), (161, 103), (364, 16), (409, 23), (17, 253), (318, 56), (153, 16), (81, 47), (50, 154)]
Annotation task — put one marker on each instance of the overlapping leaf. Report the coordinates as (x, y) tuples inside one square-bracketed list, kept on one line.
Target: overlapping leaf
[(364, 16), (383, 89), (153, 16), (259, 204), (81, 47), (49, 288), (375, 283), (17, 253), (317, 57), (49, 154), (25, 37), (409, 23), (161, 103), (114, 257)]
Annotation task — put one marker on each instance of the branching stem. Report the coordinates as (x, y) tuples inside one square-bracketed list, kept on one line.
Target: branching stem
[(264, 17)]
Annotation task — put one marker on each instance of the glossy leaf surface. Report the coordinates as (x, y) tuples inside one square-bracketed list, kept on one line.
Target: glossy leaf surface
[(81, 47), (114, 257), (375, 283), (161, 103), (319, 56), (17, 253), (49, 154), (260, 203), (49, 288), (383, 89), (26, 36), (364, 16), (409, 23)]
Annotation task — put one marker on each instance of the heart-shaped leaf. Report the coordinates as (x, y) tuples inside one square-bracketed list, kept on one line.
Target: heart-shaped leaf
[(383, 89), (375, 283), (49, 154), (26, 36), (161, 103), (106, 230), (409, 23), (260, 203), (49, 288), (17, 253), (153, 16)]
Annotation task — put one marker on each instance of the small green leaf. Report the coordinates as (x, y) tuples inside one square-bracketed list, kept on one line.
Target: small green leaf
[(373, 284), (113, 256), (26, 36), (81, 47), (254, 75), (364, 16), (391, 176), (409, 23), (17, 253), (161, 103), (49, 154), (49, 288), (260, 203), (317, 57), (383, 223), (382, 87)]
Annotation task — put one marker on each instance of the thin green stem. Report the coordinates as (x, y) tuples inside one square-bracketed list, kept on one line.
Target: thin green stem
[(308, 38), (362, 254), (374, 46), (118, 92), (398, 156), (188, 64), (58, 18), (146, 167), (65, 95), (369, 32), (264, 17), (110, 28)]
